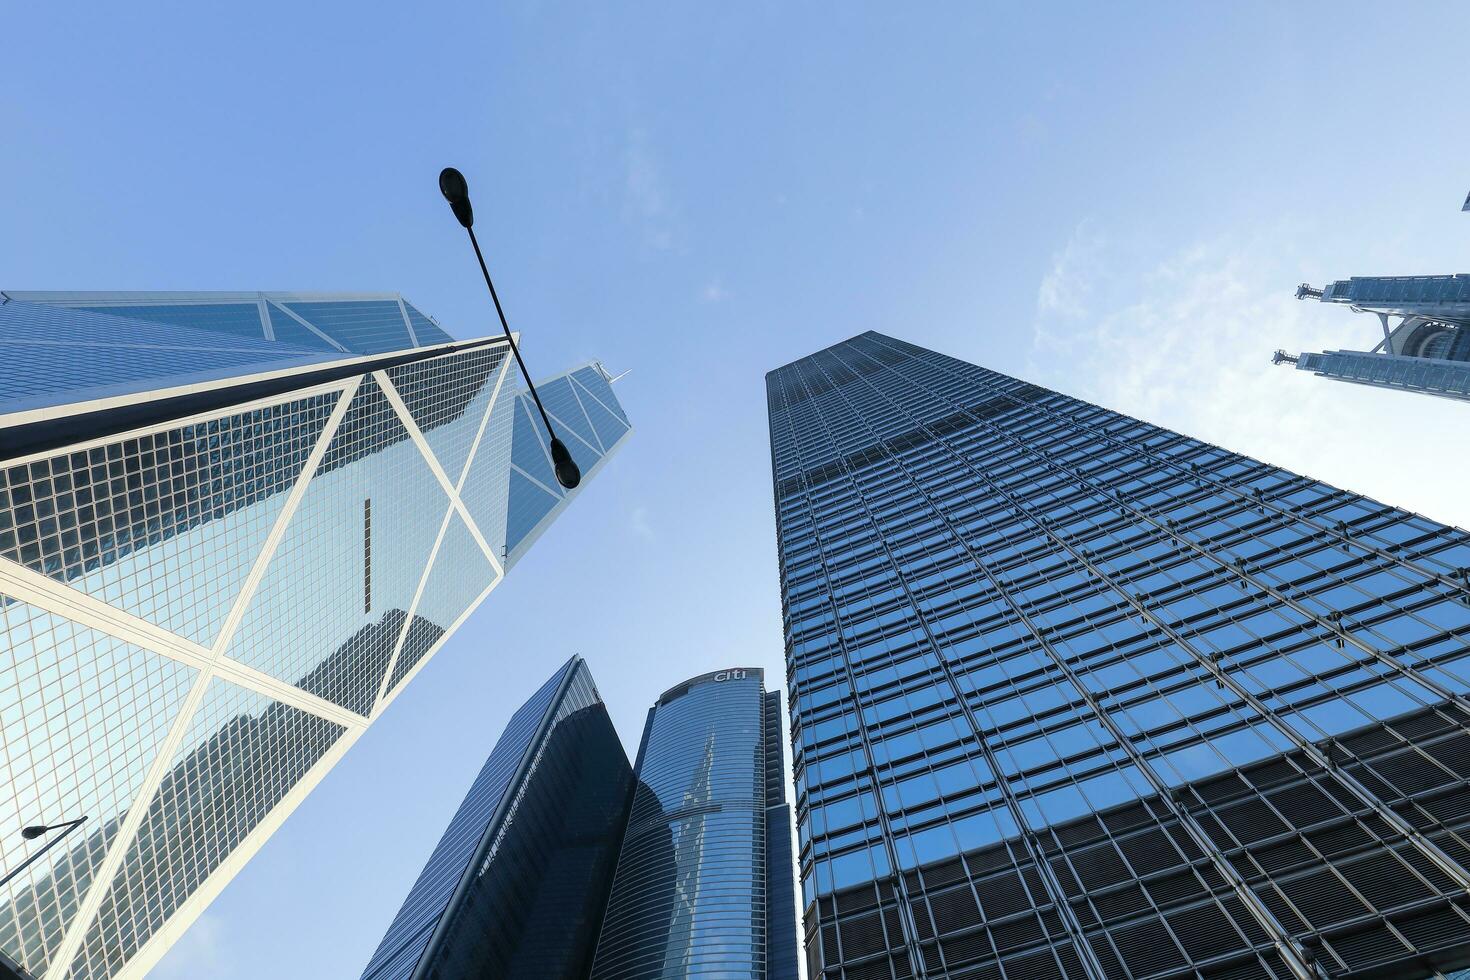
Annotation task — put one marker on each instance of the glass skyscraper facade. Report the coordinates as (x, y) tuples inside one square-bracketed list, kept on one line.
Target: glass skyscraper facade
[(704, 874), (233, 526), (1427, 350), (1077, 696), (518, 883)]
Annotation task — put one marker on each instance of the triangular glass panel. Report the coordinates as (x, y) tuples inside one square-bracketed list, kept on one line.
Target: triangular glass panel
[(585, 455), (527, 449), (426, 331), (459, 574), (164, 526), (593, 381), (243, 752), (362, 326), (82, 717), (447, 398), (288, 330), (528, 505), (609, 427), (239, 319), (561, 401), (487, 481), (334, 598)]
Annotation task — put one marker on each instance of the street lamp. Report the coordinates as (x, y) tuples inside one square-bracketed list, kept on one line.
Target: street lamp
[(456, 191), (36, 830)]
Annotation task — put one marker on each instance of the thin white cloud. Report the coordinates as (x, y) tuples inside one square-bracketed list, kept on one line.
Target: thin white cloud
[(1183, 337), (200, 952), (639, 525), (714, 292), (646, 199)]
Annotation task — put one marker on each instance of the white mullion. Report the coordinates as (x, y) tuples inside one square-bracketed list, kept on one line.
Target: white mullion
[(39, 591), (573, 386), (198, 900), (469, 463), (278, 690), (588, 392), (484, 423), (284, 398), (267, 329), (43, 592), (404, 416), (413, 607), (417, 435), (310, 326), (536, 426), (573, 433), (102, 882), (413, 338), (288, 510), (457, 507), (388, 696), (163, 762), (536, 482)]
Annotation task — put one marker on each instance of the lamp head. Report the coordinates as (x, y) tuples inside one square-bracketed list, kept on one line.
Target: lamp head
[(567, 473), (456, 191), (31, 833)]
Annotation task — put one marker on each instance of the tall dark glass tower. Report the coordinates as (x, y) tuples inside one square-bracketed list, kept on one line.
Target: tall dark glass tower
[(516, 886), (704, 885), (1076, 696)]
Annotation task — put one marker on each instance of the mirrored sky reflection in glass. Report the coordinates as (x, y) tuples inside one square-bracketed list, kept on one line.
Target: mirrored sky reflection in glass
[(1008, 610), (282, 569), (689, 897)]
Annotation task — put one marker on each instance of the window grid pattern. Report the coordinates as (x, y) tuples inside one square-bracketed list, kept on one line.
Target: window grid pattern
[(689, 897), (425, 330), (82, 716), (447, 398), (409, 934), (781, 945), (238, 319), (56, 355), (459, 573), (562, 404), (1008, 610), (530, 454), (289, 330), (186, 511), (595, 382), (487, 483), (362, 326), (243, 752), (1450, 379), (371, 450), (164, 526)]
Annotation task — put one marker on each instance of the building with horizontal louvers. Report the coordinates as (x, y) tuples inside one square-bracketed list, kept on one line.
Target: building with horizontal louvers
[(1074, 696), (704, 884), (1425, 349)]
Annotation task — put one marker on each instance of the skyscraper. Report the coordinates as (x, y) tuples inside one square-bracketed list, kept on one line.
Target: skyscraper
[(1077, 696), (704, 876), (232, 527), (518, 883), (1427, 351)]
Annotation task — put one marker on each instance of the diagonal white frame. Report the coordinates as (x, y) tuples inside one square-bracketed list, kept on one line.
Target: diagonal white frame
[(102, 880), (211, 661)]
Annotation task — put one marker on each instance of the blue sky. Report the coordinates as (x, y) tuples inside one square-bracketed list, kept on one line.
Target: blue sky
[(1113, 201)]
